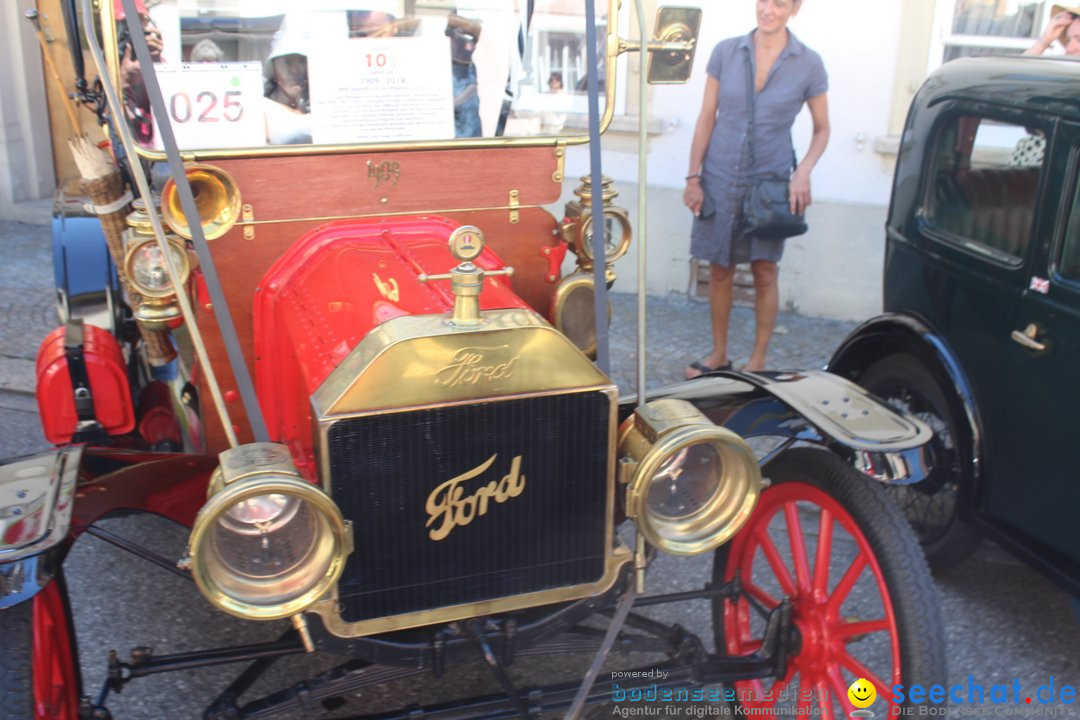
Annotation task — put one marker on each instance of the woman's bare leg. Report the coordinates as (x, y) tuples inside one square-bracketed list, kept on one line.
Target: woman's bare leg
[(721, 297), (766, 304)]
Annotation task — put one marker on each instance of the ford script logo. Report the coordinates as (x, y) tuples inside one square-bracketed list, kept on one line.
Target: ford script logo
[(470, 365), (448, 507)]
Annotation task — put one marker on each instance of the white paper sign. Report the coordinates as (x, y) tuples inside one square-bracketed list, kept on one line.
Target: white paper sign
[(381, 89), (214, 105)]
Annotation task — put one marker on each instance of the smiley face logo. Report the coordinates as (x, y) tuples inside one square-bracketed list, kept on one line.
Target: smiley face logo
[(861, 693)]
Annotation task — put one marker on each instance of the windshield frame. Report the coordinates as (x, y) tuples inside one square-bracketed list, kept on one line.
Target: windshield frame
[(611, 50)]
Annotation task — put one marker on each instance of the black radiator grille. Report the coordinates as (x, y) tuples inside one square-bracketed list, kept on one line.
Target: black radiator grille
[(384, 467)]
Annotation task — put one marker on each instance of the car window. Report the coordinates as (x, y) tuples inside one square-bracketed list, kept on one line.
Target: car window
[(1069, 265), (984, 184)]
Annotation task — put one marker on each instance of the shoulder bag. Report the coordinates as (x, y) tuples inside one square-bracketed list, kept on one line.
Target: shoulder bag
[(766, 209)]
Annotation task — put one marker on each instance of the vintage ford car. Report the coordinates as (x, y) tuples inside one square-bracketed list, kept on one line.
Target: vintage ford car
[(363, 383), (981, 331)]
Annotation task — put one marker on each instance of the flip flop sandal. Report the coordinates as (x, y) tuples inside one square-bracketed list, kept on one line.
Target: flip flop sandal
[(703, 368)]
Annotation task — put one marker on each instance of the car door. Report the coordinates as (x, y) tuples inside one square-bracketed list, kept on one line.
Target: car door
[(969, 267), (1035, 493)]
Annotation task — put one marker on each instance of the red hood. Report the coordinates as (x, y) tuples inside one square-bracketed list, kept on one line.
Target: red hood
[(332, 287)]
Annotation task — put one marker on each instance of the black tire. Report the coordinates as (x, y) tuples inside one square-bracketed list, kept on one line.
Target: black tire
[(934, 506), (894, 575), (17, 662)]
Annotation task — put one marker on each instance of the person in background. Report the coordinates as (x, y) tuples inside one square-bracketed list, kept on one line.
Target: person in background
[(207, 51), (464, 34), (1064, 26), (136, 99), (553, 119), (288, 121), (787, 75)]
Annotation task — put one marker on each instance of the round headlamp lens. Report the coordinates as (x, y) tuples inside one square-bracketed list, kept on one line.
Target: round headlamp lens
[(263, 537), (685, 482), (148, 269)]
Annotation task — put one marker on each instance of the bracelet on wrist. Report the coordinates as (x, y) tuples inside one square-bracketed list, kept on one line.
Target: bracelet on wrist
[(696, 176)]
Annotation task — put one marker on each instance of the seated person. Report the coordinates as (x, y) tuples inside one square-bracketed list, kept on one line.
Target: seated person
[(288, 119), (136, 99)]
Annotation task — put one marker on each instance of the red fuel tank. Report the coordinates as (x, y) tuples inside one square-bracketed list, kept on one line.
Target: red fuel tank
[(108, 385)]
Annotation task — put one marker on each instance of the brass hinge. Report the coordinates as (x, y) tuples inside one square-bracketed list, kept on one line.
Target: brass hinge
[(247, 214), (515, 204)]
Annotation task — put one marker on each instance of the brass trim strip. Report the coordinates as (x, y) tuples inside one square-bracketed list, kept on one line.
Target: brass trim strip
[(392, 213)]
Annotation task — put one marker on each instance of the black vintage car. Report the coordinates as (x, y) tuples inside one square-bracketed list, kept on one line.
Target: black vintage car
[(981, 331)]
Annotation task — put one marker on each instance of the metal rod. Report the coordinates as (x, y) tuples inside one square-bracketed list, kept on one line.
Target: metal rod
[(46, 54), (643, 213), (217, 656), (616, 625), (123, 132), (600, 294), (187, 202), (139, 551)]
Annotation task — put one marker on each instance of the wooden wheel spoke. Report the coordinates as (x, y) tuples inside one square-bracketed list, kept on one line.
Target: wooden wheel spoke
[(860, 670), (862, 627), (824, 554), (839, 687), (798, 546), (776, 562), (847, 582)]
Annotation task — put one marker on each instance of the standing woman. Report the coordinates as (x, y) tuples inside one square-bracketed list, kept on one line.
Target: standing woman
[(786, 75)]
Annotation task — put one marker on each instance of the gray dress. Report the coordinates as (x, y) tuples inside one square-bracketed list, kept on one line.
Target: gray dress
[(796, 76)]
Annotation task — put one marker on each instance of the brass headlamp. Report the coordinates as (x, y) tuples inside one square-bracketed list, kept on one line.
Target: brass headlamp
[(151, 292), (267, 544), (690, 484), (579, 225)]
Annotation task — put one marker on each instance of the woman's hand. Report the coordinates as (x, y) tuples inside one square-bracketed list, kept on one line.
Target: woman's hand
[(694, 195), (799, 191), (1051, 32)]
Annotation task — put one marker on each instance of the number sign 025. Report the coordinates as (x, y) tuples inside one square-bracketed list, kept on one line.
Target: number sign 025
[(214, 105)]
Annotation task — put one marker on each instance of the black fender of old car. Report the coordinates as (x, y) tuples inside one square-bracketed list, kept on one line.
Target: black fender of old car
[(813, 406), (892, 333)]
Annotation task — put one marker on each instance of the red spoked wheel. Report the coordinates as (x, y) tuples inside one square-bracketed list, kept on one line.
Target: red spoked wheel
[(39, 676), (863, 604)]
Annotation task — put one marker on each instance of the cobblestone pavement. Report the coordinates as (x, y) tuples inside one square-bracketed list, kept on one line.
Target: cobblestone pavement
[(678, 333), (27, 305)]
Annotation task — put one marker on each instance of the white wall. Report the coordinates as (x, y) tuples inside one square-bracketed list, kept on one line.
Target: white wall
[(26, 169), (835, 270)]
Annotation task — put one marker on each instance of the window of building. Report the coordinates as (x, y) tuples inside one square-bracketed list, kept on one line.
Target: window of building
[(965, 28), (984, 184)]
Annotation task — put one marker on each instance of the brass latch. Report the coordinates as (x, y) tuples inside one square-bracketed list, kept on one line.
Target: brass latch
[(247, 215), (515, 204)]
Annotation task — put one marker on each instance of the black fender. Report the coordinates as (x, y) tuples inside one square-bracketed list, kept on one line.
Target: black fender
[(812, 406), (892, 333), (37, 495)]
